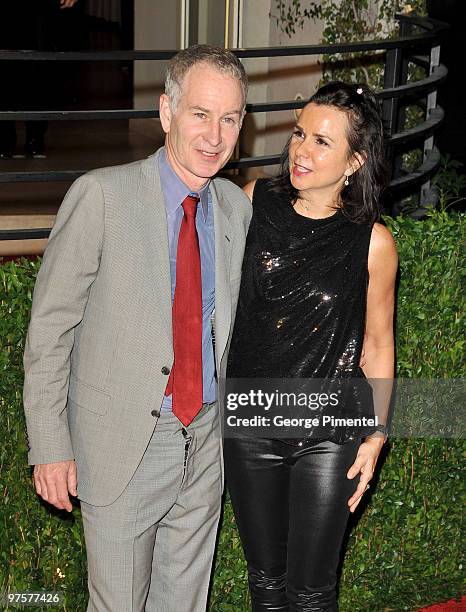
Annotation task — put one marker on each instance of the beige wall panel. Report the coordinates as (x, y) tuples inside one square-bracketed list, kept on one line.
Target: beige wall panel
[(157, 25), (276, 79)]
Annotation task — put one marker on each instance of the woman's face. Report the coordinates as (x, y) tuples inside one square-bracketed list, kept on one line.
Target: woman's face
[(318, 151)]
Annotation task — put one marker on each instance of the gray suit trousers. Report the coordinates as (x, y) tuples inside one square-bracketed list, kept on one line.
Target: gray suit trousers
[(152, 548)]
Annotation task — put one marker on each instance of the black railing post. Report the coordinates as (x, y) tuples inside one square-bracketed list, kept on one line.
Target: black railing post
[(393, 113), (429, 195)]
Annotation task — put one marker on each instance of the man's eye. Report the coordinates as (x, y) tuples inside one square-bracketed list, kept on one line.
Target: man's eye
[(229, 120), (200, 115)]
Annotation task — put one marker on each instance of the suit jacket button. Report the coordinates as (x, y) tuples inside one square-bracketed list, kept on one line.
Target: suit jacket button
[(165, 370), (155, 413)]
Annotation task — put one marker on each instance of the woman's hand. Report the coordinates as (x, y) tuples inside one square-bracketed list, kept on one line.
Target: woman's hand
[(364, 463)]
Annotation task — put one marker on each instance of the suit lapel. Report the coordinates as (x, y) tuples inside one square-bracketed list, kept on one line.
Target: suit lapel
[(155, 236), (223, 248)]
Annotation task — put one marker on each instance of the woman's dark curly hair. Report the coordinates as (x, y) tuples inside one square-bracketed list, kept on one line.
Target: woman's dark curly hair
[(361, 198)]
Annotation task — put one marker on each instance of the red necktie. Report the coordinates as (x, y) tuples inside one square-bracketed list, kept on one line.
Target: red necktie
[(185, 382)]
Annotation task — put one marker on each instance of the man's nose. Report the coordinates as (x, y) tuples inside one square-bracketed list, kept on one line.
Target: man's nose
[(213, 133)]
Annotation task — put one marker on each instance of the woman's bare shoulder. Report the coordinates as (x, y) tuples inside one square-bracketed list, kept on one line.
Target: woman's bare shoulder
[(249, 188), (382, 249)]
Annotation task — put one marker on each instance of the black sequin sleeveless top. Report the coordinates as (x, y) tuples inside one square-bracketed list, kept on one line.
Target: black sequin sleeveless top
[(302, 303)]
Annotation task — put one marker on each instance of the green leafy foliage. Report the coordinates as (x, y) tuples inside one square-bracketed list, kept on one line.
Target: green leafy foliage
[(450, 182), (41, 549), (404, 544), (291, 15), (344, 20), (348, 21)]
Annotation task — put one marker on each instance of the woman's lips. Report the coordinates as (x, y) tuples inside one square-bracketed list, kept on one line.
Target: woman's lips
[(300, 170)]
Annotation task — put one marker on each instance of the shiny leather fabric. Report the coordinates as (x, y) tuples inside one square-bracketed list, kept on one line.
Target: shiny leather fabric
[(291, 510), (302, 302)]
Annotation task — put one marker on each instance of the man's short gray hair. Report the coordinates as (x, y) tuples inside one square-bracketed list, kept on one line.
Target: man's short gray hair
[(216, 57)]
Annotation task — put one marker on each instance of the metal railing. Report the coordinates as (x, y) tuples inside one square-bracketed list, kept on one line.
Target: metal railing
[(421, 49)]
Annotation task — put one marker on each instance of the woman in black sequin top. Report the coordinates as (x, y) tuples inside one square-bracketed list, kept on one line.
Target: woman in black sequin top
[(316, 304)]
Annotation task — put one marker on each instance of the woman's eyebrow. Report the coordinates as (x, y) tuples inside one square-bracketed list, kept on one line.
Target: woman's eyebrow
[(315, 134), (323, 136)]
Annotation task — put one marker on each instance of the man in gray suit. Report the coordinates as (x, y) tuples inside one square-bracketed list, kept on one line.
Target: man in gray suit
[(100, 349)]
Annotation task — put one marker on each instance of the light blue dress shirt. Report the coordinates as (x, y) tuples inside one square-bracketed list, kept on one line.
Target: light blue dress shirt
[(175, 191)]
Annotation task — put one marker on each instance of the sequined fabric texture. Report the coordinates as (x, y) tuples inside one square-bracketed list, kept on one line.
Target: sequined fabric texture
[(302, 303)]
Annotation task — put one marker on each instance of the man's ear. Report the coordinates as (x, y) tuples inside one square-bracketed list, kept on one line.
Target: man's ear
[(165, 113)]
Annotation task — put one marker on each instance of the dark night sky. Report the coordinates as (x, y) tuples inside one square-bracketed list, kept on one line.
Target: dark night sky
[(452, 136)]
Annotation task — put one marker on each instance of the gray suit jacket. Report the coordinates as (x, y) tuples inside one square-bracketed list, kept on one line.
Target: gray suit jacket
[(101, 331)]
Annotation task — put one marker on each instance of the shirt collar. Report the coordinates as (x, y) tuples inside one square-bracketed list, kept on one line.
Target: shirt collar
[(175, 191)]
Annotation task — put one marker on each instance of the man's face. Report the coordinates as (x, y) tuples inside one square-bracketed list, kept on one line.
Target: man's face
[(202, 131)]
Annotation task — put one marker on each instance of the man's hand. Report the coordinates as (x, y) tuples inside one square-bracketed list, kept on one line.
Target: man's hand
[(53, 482)]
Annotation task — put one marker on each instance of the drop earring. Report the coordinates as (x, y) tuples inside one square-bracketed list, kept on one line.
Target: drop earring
[(346, 180)]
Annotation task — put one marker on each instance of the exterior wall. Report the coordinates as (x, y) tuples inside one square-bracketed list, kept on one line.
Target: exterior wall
[(275, 79), (156, 26), (253, 34)]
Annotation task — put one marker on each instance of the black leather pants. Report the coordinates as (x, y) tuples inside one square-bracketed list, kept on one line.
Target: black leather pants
[(291, 509)]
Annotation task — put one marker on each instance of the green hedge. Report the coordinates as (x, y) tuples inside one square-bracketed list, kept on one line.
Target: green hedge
[(404, 546)]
